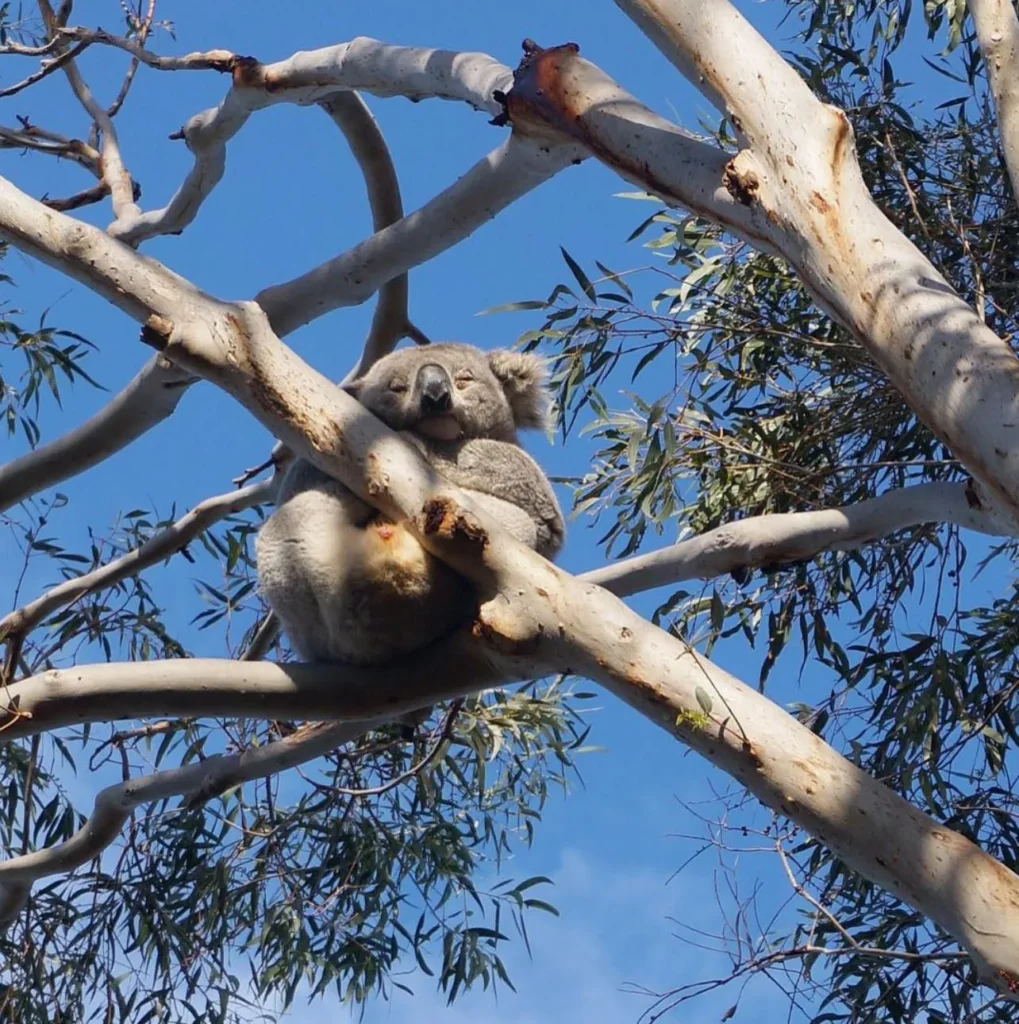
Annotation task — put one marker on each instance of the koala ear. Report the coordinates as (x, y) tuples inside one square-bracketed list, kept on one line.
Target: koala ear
[(522, 375)]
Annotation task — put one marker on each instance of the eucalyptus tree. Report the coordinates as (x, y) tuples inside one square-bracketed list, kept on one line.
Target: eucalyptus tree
[(842, 404)]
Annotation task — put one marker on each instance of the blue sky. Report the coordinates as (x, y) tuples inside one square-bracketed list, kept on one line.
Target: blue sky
[(292, 197)]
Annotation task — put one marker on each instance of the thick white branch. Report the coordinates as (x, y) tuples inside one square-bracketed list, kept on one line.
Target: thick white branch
[(377, 263), (541, 617), (211, 687), (558, 623), (998, 34), (558, 89), (796, 536), (155, 392), (148, 399), (107, 692), (305, 78), (517, 166), (390, 322), (800, 172), (538, 619)]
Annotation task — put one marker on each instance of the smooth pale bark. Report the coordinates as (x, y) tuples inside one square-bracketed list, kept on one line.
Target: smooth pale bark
[(215, 687), (997, 29), (798, 170), (390, 321), (747, 543), (798, 536), (305, 78), (194, 687), (377, 265), (537, 617), (115, 174), (519, 165)]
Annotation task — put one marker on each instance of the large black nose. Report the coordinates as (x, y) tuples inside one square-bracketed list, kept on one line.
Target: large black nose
[(434, 389)]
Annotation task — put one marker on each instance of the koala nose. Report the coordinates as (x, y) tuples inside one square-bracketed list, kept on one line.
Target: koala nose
[(436, 395)]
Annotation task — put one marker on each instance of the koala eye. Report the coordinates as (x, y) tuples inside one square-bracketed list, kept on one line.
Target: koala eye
[(398, 386), (463, 379)]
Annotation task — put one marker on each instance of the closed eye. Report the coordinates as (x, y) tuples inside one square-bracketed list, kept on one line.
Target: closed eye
[(398, 386), (462, 380)]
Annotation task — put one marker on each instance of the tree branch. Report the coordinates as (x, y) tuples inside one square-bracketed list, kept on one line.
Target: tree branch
[(54, 699), (516, 167), (558, 90), (998, 34), (211, 687), (307, 77), (115, 804), (798, 536), (47, 68), (390, 322), (800, 174), (30, 136), (535, 619), (114, 173), (142, 29), (509, 172)]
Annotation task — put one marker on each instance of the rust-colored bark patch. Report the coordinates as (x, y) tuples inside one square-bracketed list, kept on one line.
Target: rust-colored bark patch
[(742, 185), (156, 332), (1009, 981), (442, 517), (820, 203), (246, 72)]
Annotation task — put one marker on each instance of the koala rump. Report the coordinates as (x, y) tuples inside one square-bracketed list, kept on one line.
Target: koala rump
[(350, 585)]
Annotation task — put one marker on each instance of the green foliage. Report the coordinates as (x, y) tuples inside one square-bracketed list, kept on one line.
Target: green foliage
[(751, 401), (325, 883), (739, 399), (383, 855), (47, 354)]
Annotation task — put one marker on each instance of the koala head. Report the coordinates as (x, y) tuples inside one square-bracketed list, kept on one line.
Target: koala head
[(450, 391)]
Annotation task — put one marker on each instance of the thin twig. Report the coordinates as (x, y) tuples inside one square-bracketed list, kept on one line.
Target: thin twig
[(143, 29), (444, 732), (48, 67)]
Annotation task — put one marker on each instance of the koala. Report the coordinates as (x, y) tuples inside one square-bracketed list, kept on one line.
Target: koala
[(349, 584)]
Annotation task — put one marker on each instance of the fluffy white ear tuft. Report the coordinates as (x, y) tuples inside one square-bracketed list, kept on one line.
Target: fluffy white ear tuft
[(523, 376)]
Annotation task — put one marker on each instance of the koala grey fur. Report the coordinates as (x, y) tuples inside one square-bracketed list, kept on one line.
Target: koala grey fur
[(350, 585)]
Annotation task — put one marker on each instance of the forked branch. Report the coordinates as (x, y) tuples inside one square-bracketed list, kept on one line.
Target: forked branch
[(535, 619), (798, 173)]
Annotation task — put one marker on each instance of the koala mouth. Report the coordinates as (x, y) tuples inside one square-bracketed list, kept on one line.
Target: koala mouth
[(444, 427)]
